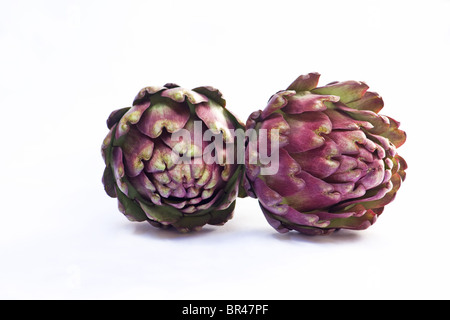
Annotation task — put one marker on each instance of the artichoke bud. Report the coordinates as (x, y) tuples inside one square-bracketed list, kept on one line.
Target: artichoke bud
[(338, 164), (155, 158)]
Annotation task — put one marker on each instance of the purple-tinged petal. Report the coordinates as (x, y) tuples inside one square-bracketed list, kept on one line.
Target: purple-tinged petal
[(389, 164), (395, 164), (147, 92), (319, 162), (215, 178), (178, 192), (305, 82), (316, 194), (276, 224), (247, 186), (212, 93), (275, 122), (210, 202), (371, 146), (179, 94), (384, 143), (251, 121), (365, 155), (206, 175), (313, 231), (394, 134), (215, 117), (350, 170), (194, 200), (115, 117), (304, 219), (132, 116), (136, 148), (197, 168), (143, 185), (181, 174), (175, 204), (163, 190), (162, 177), (252, 166), (187, 145), (230, 197), (402, 166), (370, 101), (172, 184), (165, 114), (163, 214), (171, 85), (340, 121), (190, 209), (268, 198), (228, 170), (380, 123), (276, 102), (192, 193), (306, 131), (379, 202), (162, 159), (348, 190), (305, 102), (118, 169), (285, 182), (329, 216), (348, 91), (156, 199), (380, 152), (348, 141), (366, 223), (374, 195), (356, 222), (387, 176)]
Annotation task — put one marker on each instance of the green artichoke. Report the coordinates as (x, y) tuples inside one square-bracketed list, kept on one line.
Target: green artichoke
[(167, 181), (338, 165)]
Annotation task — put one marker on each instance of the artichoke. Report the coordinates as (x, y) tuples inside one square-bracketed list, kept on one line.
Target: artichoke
[(168, 181), (337, 164)]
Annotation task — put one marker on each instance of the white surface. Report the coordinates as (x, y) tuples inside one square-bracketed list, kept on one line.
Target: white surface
[(65, 65)]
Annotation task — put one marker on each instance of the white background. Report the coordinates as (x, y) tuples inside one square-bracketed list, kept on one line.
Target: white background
[(65, 65)]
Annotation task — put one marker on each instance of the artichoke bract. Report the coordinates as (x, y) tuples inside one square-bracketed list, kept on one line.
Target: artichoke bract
[(161, 176), (337, 164)]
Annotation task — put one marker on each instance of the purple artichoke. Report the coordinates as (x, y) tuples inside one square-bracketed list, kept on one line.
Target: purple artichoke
[(337, 165), (143, 160)]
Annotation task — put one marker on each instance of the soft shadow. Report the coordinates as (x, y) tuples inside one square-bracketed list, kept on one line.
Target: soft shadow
[(336, 237), (147, 230)]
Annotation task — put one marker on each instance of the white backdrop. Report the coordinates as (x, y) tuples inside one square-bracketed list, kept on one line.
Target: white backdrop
[(65, 65)]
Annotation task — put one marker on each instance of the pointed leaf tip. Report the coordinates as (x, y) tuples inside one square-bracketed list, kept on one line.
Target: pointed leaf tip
[(348, 91), (305, 82)]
